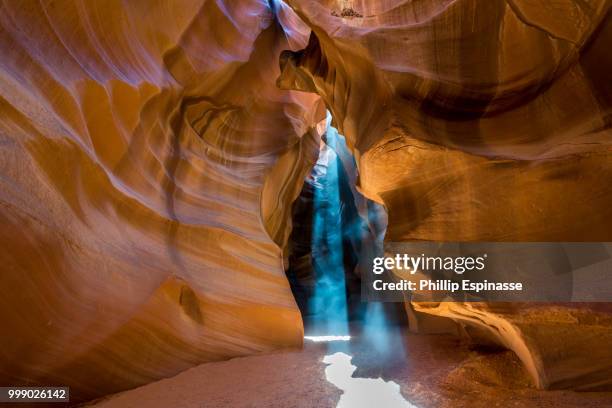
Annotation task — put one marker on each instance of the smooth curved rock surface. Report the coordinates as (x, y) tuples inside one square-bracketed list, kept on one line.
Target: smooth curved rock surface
[(470, 120), (148, 167), (479, 121), (149, 160), (559, 346)]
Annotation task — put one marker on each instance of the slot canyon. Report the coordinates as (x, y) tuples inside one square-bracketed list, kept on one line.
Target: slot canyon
[(191, 193)]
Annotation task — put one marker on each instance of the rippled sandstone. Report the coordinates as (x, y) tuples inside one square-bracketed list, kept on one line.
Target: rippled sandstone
[(148, 165), (479, 121), (149, 161)]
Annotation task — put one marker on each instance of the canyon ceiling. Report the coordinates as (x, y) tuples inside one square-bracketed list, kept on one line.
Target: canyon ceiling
[(150, 153)]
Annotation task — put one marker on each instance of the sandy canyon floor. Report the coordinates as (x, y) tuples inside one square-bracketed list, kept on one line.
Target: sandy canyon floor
[(419, 371)]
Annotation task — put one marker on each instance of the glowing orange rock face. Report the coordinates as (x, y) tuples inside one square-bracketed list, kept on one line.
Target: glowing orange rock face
[(148, 165), (470, 120), (148, 160), (477, 121)]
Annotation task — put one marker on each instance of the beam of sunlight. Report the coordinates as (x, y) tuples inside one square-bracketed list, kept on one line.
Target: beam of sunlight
[(361, 392), (379, 334), (328, 302), (318, 339)]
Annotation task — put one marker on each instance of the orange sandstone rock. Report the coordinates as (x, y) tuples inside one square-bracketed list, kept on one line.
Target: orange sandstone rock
[(148, 164)]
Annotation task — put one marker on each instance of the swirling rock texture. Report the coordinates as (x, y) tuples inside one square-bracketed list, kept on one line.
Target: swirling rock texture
[(484, 121), (149, 158), (148, 165), (561, 347)]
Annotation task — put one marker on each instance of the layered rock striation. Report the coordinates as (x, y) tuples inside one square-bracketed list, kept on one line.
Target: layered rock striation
[(478, 121), (150, 154), (470, 120), (148, 167)]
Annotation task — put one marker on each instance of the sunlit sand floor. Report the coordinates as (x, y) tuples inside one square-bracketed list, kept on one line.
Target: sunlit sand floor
[(401, 371)]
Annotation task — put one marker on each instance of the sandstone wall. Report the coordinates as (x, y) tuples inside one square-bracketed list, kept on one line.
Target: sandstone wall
[(479, 121), (148, 166), (149, 161)]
